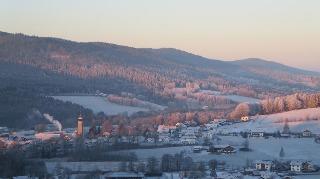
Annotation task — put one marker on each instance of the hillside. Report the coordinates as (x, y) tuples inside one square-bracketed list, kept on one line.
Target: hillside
[(43, 66), (280, 72), (298, 121), (147, 69)]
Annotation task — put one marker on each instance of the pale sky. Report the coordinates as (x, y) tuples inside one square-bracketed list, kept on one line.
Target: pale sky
[(286, 31)]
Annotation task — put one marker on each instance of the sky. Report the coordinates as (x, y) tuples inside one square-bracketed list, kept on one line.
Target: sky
[(286, 31)]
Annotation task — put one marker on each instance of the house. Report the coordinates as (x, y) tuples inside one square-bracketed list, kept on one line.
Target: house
[(165, 129), (308, 167), (257, 134), (164, 138), (263, 165), (306, 133), (188, 139), (281, 166), (296, 166), (302, 166), (222, 149), (197, 149), (245, 118)]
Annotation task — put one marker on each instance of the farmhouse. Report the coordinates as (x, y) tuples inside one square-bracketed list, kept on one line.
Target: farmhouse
[(188, 139), (306, 133), (245, 118), (263, 165), (296, 166), (164, 138), (165, 129), (197, 149), (223, 149), (257, 134)]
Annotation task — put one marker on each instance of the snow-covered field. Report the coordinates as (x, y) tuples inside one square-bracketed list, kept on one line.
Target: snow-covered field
[(263, 149), (98, 104), (235, 98), (241, 99), (298, 121)]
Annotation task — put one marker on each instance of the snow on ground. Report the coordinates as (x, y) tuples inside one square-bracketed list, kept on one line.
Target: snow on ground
[(235, 98), (241, 99), (263, 149), (83, 166), (298, 121), (100, 104)]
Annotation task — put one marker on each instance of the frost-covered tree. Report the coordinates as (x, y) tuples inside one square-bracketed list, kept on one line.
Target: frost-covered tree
[(243, 109), (279, 105)]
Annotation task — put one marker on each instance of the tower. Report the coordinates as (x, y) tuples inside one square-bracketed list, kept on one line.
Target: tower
[(80, 126)]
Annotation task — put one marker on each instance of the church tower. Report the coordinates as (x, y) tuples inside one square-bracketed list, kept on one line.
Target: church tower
[(80, 126)]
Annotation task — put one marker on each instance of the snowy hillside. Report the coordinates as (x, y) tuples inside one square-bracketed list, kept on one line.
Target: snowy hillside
[(298, 120)]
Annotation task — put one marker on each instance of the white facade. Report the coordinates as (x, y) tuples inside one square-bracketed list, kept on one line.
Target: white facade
[(263, 165), (296, 166), (306, 133), (245, 118), (188, 139), (165, 129)]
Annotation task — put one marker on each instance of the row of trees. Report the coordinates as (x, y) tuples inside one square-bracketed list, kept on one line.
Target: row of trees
[(170, 163), (278, 105)]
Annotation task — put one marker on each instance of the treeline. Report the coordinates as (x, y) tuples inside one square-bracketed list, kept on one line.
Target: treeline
[(20, 108), (14, 163), (278, 105)]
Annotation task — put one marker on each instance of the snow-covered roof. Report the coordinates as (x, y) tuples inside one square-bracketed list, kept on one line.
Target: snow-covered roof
[(296, 162), (269, 162)]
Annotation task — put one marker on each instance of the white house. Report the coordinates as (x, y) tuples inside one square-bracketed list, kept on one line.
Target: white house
[(263, 165), (306, 133), (257, 134), (165, 129), (164, 138), (245, 118), (188, 139), (296, 166)]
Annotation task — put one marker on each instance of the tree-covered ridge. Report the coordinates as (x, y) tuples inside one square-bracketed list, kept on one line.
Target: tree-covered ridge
[(151, 69)]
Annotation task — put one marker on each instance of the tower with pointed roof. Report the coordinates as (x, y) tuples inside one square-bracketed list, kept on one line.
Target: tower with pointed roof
[(80, 126)]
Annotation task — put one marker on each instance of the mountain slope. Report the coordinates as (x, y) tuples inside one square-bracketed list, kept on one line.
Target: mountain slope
[(280, 72), (148, 70), (270, 65)]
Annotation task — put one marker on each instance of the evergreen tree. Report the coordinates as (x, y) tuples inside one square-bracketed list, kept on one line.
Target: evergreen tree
[(281, 154)]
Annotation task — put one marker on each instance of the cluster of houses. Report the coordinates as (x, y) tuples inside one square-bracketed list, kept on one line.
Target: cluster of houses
[(268, 169), (187, 134)]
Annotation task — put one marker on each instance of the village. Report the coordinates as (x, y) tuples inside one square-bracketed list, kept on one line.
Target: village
[(195, 139)]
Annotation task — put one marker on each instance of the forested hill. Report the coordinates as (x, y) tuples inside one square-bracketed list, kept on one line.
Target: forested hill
[(113, 68)]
